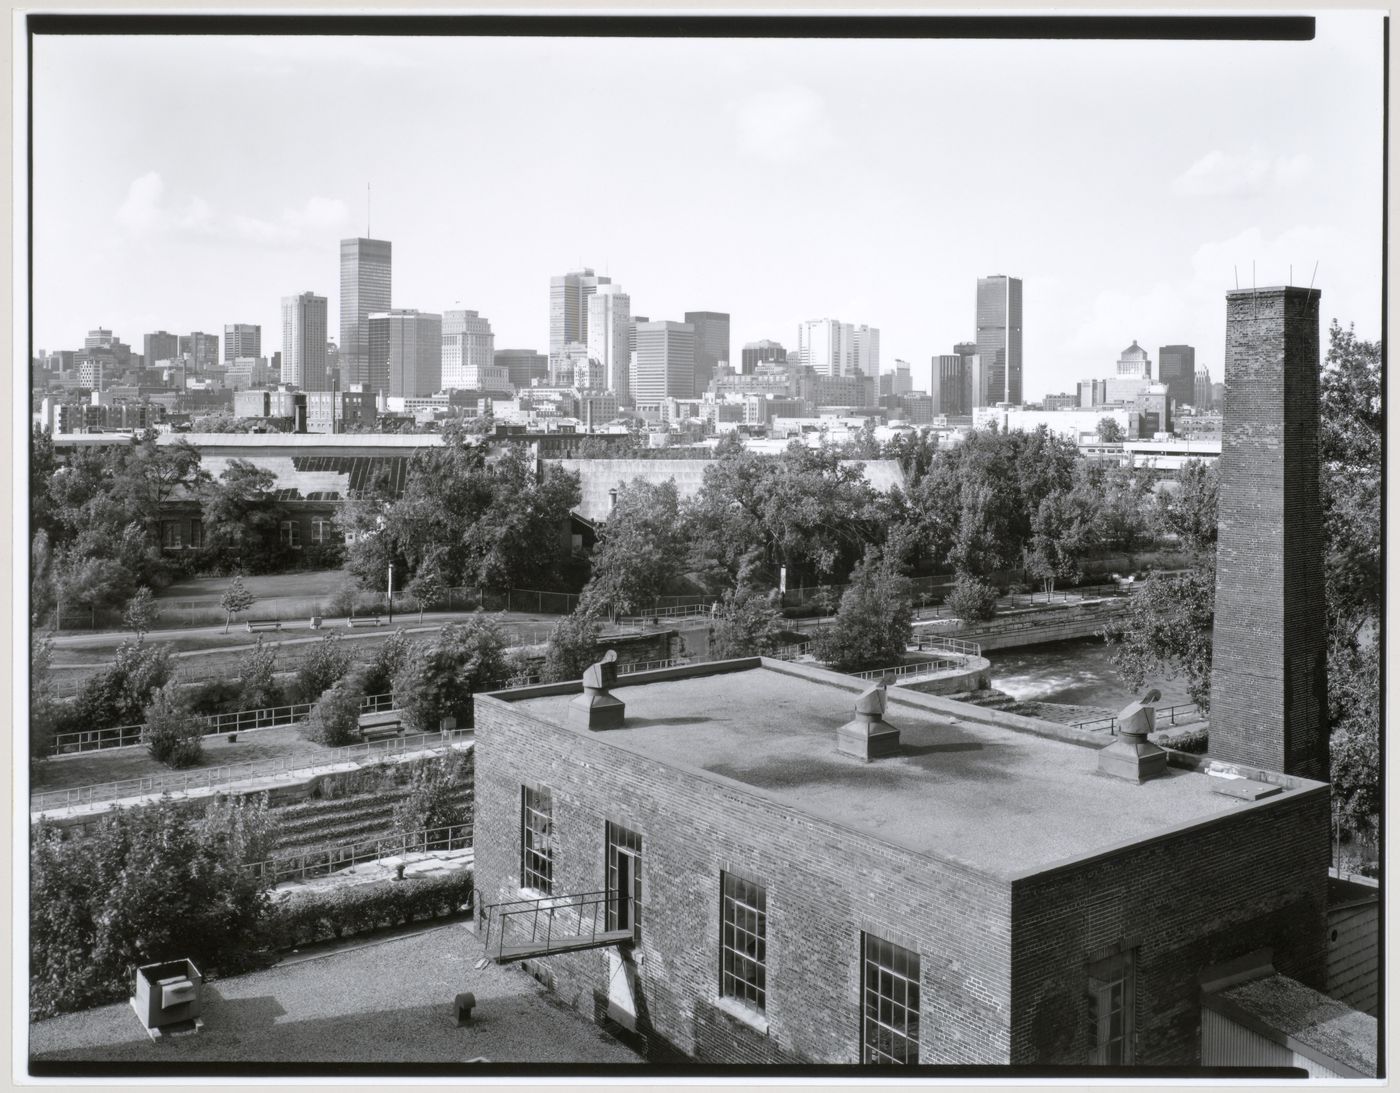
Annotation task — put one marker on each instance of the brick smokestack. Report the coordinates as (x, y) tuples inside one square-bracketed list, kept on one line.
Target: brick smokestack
[(1268, 694)]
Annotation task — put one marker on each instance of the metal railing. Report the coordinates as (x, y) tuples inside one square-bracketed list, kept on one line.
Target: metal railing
[(332, 859), (899, 671), (123, 736), (792, 652), (950, 645), (1182, 713), (522, 928), (223, 776)]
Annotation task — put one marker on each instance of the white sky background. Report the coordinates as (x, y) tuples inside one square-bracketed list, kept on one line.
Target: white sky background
[(182, 184)]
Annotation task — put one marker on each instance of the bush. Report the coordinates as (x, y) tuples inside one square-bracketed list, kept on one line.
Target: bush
[(335, 719), (873, 623), (972, 599), (360, 908), (747, 624), (171, 735), (1196, 742), (389, 659), (439, 680), (328, 662), (344, 600), (257, 673), (213, 696), (438, 795), (119, 695), (573, 645)]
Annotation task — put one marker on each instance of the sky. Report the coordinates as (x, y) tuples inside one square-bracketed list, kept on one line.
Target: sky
[(187, 183)]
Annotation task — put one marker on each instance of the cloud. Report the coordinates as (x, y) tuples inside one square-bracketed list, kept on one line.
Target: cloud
[(146, 213), (1221, 174), (784, 125)]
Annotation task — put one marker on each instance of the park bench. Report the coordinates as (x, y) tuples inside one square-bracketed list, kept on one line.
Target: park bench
[(264, 624), (362, 620), (375, 725)]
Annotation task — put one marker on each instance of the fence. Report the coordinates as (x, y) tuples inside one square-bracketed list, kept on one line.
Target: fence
[(217, 777), (899, 671), (320, 863), (951, 645), (1184, 713), (122, 736)]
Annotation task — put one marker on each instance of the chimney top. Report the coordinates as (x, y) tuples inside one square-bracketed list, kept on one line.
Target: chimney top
[(596, 709), (868, 735), (1132, 756)]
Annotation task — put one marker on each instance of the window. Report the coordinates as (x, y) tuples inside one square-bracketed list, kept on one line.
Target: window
[(1111, 1001), (170, 535), (889, 1001), (322, 531), (291, 534), (196, 533), (624, 878), (743, 941), (536, 839)]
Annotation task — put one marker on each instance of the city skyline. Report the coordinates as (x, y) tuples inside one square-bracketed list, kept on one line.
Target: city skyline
[(1214, 194)]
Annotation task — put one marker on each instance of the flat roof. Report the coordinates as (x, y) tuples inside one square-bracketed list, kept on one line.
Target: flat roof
[(1000, 799)]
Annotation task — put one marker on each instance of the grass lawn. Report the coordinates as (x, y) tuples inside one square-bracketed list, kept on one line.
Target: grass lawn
[(311, 583), (118, 764)]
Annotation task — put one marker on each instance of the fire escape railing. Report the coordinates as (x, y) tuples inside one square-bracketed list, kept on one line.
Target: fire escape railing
[(521, 929)]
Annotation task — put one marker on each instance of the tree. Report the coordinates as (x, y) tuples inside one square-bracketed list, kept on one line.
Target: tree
[(1062, 533), (1353, 686), (972, 599), (141, 612), (335, 719), (236, 598), (747, 623), (1110, 432), (573, 644), (1188, 511), (119, 694), (1165, 631), (243, 520), (641, 548), (438, 797), (257, 669), (170, 734), (872, 625), (327, 662), (43, 704), (439, 680), (377, 677), (427, 587)]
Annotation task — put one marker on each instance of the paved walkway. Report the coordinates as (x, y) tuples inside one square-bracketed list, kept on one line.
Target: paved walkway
[(385, 1001), (431, 863)]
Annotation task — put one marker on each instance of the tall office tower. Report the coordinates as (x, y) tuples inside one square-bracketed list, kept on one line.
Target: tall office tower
[(467, 346), (405, 345), (1203, 395), (827, 346), (523, 366), (366, 281), (632, 332), (761, 352), (974, 376), (999, 337), (242, 340), (711, 345), (304, 342), (1176, 367), (609, 337), (1134, 363), (665, 363), (203, 349), (160, 346), (101, 338), (865, 349), (568, 308), (948, 384)]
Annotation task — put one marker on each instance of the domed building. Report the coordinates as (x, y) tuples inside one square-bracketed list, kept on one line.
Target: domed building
[(1134, 361)]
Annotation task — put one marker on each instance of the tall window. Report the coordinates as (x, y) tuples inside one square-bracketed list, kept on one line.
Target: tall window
[(291, 534), (196, 533), (890, 1001), (170, 535), (624, 877), (1111, 1010), (743, 941), (536, 839)]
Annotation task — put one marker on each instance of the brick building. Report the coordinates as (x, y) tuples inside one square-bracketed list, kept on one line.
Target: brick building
[(983, 894)]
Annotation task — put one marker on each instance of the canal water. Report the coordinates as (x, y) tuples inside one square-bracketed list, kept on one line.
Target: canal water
[(1078, 672)]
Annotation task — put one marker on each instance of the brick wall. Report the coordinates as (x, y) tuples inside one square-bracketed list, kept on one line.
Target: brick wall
[(825, 884), (1269, 680), (1185, 902)]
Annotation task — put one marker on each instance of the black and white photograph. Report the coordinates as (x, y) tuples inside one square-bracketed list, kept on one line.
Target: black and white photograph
[(699, 545)]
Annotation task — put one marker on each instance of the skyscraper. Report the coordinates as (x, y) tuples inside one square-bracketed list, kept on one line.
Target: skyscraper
[(711, 344), (755, 353), (242, 340), (609, 335), (366, 275), (827, 346), (467, 346), (405, 345), (665, 362), (568, 309), (523, 365), (974, 377), (999, 337), (865, 350), (202, 348), (949, 385), (160, 346), (304, 342), (1203, 395), (1176, 367)]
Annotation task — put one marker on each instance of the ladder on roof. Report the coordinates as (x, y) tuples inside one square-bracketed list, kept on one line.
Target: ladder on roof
[(527, 928)]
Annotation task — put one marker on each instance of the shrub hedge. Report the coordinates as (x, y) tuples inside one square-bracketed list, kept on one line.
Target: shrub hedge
[(358, 909)]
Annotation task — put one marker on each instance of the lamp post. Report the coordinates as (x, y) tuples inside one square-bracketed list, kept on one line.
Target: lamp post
[(391, 593)]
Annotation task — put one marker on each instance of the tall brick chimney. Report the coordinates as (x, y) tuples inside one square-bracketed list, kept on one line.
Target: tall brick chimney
[(1268, 693)]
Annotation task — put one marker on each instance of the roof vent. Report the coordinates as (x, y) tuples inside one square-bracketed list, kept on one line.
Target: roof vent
[(1132, 755), (596, 709), (869, 736)]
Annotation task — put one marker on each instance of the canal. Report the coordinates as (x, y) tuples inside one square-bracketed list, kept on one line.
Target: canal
[(1078, 672)]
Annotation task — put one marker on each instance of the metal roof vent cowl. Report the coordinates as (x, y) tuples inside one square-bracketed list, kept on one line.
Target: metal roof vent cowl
[(595, 709), (1132, 755), (869, 736)]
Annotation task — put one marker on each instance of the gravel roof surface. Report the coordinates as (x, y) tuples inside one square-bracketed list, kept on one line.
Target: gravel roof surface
[(374, 1002)]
